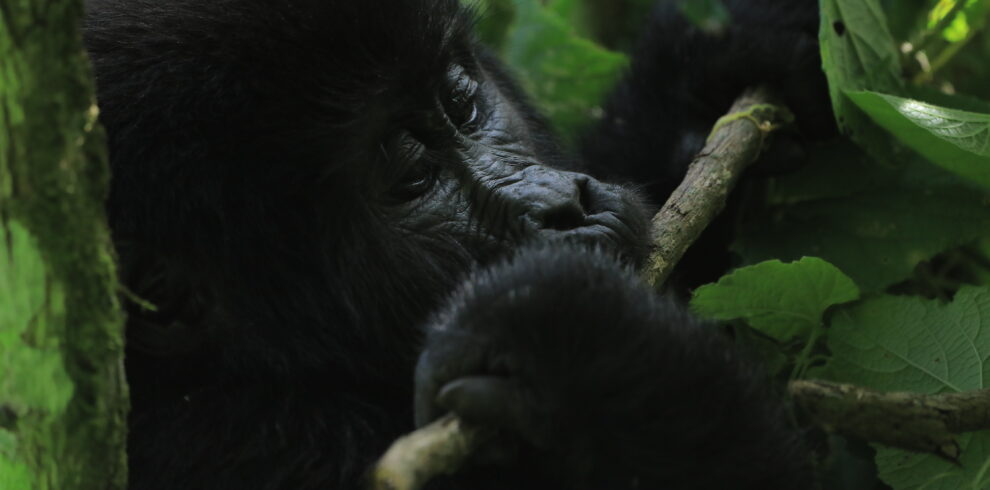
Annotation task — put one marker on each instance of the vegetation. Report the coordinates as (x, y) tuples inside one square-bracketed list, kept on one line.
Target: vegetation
[(869, 264), (63, 397)]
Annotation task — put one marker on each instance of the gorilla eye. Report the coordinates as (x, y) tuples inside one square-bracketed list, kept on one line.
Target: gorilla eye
[(414, 175), (461, 105), (415, 182)]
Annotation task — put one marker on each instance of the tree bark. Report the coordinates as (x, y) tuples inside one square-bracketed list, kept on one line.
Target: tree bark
[(912, 421), (734, 143), (63, 395)]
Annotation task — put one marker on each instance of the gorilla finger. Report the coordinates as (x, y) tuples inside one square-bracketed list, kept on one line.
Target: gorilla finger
[(437, 366), (489, 400), (427, 384)]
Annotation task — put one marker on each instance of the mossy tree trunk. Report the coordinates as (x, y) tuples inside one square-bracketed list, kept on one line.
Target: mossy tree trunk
[(63, 397)]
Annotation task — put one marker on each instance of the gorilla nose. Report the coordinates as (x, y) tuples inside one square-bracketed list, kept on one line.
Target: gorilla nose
[(554, 200), (566, 213)]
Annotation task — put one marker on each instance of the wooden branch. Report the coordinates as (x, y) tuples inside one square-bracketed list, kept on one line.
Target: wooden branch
[(915, 422), (436, 449), (912, 421), (733, 144)]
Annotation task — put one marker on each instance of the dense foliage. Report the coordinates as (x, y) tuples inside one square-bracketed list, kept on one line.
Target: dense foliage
[(869, 264)]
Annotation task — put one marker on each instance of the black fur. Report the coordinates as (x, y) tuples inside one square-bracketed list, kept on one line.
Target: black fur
[(611, 386), (298, 184)]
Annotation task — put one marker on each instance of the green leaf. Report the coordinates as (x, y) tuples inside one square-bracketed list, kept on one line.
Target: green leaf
[(959, 141), (905, 470), (494, 17), (15, 475), (909, 344), (709, 15), (902, 343), (567, 75), (962, 102), (981, 254), (959, 27), (957, 30), (905, 16), (858, 53), (778, 299), (834, 169), (874, 222), (857, 49)]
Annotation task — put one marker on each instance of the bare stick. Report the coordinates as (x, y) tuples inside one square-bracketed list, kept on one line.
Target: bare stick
[(912, 421), (436, 449), (734, 143)]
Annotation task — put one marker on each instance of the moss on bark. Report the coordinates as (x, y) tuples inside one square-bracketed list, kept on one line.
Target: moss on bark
[(63, 396)]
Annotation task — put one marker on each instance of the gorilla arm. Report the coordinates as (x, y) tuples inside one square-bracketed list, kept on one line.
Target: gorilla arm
[(736, 140)]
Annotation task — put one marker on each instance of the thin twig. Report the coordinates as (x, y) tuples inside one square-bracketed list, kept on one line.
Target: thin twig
[(436, 449)]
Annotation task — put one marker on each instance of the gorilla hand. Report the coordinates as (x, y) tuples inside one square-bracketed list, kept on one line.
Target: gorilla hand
[(596, 382)]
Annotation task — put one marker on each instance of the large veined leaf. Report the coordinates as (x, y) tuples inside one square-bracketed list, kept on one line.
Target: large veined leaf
[(566, 74), (858, 52), (957, 140), (894, 343)]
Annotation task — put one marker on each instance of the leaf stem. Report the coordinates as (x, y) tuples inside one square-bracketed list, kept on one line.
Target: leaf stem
[(805, 357)]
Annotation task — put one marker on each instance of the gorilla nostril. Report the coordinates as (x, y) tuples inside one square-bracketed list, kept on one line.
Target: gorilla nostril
[(584, 195), (571, 212), (567, 216)]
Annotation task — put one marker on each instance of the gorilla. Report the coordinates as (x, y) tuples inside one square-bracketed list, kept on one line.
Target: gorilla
[(349, 219)]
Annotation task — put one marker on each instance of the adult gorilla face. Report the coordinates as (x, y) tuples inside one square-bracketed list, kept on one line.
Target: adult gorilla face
[(300, 183), (472, 158), (468, 172)]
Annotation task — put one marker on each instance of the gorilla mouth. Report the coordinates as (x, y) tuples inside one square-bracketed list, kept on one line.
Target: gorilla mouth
[(610, 231), (618, 225)]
